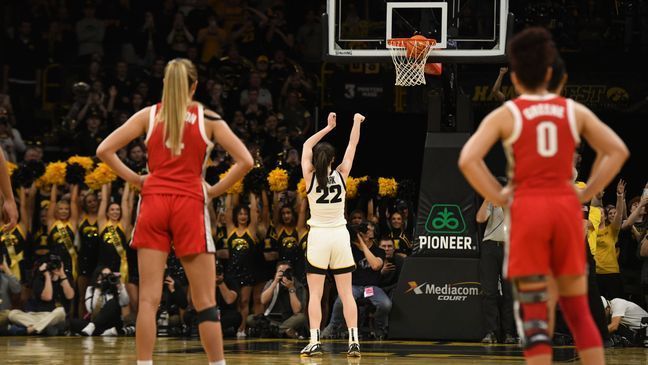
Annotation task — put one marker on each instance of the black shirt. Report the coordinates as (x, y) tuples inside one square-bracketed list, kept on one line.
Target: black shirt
[(58, 296), (282, 306), (364, 275)]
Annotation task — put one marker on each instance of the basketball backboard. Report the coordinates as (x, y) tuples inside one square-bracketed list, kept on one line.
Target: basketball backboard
[(466, 31)]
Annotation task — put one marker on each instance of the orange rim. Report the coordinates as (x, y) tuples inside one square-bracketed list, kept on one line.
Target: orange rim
[(400, 42)]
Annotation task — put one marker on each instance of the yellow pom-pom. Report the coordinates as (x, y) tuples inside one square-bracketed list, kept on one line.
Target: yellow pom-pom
[(84, 161), (278, 179), (352, 187), (105, 174), (10, 167), (387, 187), (301, 188), (362, 179), (92, 182), (237, 188), (55, 173)]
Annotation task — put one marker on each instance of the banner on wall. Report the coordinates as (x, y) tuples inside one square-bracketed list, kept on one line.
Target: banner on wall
[(445, 225)]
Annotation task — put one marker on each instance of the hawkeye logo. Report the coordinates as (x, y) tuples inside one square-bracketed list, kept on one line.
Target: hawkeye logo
[(444, 226), (457, 292)]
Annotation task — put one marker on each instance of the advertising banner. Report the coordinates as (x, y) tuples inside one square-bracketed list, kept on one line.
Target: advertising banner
[(446, 225), (437, 299)]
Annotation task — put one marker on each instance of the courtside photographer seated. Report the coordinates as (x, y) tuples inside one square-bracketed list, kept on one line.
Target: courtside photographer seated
[(628, 322), (369, 259), (283, 298), (230, 317), (51, 294), (173, 303), (104, 299), (9, 284)]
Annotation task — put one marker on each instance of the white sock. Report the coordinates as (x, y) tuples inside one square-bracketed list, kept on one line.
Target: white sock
[(315, 335), (110, 332), (89, 329), (353, 335), (146, 362), (219, 362)]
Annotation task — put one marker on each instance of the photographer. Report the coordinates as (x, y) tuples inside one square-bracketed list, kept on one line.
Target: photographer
[(9, 284), (52, 292), (230, 317), (369, 260), (104, 300), (283, 298), (173, 303), (625, 319)]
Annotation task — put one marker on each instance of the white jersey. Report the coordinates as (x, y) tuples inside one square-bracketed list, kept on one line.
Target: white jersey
[(327, 203)]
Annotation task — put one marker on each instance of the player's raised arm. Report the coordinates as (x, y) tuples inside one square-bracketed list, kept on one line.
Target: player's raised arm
[(611, 152), (134, 127), (307, 152), (349, 154), (471, 159)]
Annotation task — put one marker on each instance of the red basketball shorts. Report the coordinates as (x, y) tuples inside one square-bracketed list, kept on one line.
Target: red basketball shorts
[(165, 220), (546, 236)]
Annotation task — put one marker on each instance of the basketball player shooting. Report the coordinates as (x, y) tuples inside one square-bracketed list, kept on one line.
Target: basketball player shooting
[(540, 132)]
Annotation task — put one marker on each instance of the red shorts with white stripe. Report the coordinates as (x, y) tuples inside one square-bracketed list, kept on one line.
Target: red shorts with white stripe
[(546, 236), (180, 221)]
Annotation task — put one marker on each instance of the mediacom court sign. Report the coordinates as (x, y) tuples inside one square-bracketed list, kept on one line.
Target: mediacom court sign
[(445, 229), (456, 292)]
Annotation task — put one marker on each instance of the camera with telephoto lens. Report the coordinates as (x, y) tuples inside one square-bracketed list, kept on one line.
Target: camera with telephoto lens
[(54, 262), (109, 283), (288, 273)]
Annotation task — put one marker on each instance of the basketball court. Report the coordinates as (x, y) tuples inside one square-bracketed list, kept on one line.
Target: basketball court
[(118, 351)]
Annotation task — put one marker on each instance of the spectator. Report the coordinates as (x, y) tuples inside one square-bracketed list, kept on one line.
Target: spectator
[(297, 83), (607, 265), (623, 313), (262, 66), (369, 260), (33, 153), (283, 299), (146, 42), (277, 33), (255, 111), (280, 69), (402, 241), (211, 39), (137, 157), (263, 94), (90, 33), (123, 83), (498, 312), (89, 139), (104, 300), (216, 99), (50, 286), (22, 76), (179, 39), (295, 114), (10, 139), (309, 39), (391, 270), (9, 285)]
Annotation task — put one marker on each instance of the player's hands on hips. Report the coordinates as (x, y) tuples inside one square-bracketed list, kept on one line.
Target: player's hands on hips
[(140, 181), (332, 120), (9, 207), (504, 197), (357, 117)]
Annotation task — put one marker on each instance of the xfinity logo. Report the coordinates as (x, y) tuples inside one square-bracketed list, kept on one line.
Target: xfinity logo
[(457, 292)]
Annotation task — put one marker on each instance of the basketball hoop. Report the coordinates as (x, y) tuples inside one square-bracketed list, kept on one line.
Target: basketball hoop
[(410, 56)]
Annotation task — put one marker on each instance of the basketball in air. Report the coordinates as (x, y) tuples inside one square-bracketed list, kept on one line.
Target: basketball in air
[(416, 48)]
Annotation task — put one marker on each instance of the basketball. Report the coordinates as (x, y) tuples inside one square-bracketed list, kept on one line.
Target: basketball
[(416, 49)]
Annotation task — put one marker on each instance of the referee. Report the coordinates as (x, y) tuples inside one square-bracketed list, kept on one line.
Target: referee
[(497, 314)]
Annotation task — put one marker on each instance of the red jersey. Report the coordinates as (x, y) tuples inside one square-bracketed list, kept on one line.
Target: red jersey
[(183, 174), (541, 147)]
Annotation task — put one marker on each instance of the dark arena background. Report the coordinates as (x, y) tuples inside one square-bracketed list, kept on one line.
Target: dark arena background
[(73, 71)]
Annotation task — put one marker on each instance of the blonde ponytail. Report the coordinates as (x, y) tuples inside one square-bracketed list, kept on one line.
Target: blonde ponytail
[(179, 77)]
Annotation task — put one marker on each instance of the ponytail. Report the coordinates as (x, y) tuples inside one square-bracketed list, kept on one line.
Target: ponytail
[(179, 77), (323, 155)]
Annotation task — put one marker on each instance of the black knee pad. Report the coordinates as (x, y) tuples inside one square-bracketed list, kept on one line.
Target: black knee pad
[(211, 314)]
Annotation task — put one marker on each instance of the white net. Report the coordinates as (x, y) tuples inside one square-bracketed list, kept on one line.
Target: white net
[(409, 56)]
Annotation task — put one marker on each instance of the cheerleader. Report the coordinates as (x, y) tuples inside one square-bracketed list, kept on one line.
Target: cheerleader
[(62, 223), (88, 237), (114, 228), (240, 249)]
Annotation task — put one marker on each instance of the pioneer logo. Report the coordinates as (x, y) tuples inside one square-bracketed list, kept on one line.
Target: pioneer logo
[(457, 292)]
